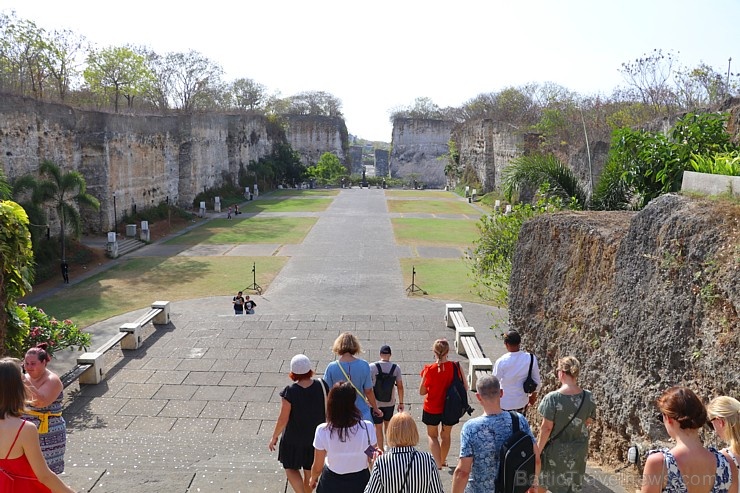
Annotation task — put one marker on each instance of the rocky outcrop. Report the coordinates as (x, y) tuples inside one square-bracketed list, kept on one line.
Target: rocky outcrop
[(644, 300), (417, 145)]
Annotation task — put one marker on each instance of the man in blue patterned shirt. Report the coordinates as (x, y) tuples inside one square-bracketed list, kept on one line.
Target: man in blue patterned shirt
[(481, 439)]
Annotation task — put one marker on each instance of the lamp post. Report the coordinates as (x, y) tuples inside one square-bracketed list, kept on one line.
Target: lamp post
[(115, 218)]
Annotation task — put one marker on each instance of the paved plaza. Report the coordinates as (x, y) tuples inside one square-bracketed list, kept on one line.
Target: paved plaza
[(193, 409)]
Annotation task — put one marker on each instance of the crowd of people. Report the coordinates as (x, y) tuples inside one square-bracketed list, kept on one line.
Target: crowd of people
[(335, 428)]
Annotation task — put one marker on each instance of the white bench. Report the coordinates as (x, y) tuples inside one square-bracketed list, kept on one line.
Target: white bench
[(91, 366), (478, 364)]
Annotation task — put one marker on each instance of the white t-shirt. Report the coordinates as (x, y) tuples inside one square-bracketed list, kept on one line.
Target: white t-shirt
[(348, 456), (386, 367), (511, 369)]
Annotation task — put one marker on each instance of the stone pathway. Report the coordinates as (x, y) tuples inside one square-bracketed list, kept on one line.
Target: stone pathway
[(193, 409)]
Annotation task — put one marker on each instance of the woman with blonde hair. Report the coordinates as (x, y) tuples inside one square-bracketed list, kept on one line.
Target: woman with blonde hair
[(688, 467), (566, 415), (724, 414), (22, 465), (436, 378), (403, 467), (349, 368)]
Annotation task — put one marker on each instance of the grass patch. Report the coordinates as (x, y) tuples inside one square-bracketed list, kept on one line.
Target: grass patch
[(140, 281), (325, 192), (425, 194), (431, 207), (445, 279), (435, 232), (296, 204), (249, 230)]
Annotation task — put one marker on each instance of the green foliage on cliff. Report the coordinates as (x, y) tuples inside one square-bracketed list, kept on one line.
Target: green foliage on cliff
[(493, 252)]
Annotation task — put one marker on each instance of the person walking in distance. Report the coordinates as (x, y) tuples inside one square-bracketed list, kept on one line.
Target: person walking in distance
[(481, 439), (512, 370), (65, 272), (386, 379)]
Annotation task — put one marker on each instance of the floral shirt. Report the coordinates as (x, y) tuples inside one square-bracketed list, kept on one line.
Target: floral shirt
[(481, 438)]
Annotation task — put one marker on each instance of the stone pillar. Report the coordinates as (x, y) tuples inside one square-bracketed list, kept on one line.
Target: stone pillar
[(256, 191), (111, 249), (217, 205), (202, 211), (145, 231)]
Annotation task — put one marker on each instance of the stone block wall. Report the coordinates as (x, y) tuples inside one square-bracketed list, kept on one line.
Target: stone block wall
[(382, 157), (416, 147), (355, 159)]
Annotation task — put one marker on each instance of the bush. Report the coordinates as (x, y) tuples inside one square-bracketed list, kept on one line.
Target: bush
[(38, 327), (725, 163)]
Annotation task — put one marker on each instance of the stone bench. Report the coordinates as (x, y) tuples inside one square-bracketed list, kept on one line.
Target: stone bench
[(478, 364), (91, 367)]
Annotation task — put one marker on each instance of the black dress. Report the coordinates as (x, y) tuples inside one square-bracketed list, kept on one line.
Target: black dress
[(306, 413)]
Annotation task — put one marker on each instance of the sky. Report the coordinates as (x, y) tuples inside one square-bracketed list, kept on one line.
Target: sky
[(381, 55)]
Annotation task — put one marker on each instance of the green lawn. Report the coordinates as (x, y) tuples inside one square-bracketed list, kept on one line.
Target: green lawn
[(249, 230), (423, 194), (435, 232), (325, 192), (288, 204), (446, 279), (138, 282), (431, 207)]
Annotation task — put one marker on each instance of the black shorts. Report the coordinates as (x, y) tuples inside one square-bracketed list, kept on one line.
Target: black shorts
[(387, 414), (435, 419)]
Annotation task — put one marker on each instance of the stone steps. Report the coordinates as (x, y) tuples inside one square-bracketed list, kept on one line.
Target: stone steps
[(128, 245)]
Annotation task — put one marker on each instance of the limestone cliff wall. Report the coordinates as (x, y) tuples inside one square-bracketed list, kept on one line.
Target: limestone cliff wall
[(644, 300), (311, 136), (146, 160), (487, 147), (416, 147)]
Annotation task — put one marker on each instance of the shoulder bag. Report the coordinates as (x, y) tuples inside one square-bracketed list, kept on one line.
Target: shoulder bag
[(529, 384), (364, 397), (552, 439)]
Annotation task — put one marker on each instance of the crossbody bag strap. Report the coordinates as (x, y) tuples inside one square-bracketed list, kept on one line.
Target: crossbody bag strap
[(364, 397), (323, 391), (531, 362), (552, 439), (408, 470)]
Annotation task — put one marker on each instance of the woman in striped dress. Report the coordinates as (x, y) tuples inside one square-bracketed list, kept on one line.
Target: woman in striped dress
[(404, 468), (44, 408)]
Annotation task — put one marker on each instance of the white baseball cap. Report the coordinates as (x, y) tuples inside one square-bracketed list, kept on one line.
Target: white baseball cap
[(300, 364)]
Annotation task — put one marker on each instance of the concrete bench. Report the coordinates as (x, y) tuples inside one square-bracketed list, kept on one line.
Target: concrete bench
[(91, 366), (158, 314), (478, 364)]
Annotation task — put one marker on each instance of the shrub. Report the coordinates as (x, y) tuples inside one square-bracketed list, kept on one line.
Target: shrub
[(39, 327)]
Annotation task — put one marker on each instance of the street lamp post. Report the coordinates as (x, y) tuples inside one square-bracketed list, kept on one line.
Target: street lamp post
[(115, 217)]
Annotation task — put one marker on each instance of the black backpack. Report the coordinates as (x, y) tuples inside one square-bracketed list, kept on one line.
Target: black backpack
[(384, 383), (456, 399), (516, 460)]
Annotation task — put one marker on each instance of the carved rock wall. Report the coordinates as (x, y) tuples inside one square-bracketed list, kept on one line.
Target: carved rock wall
[(416, 147), (312, 136), (146, 160), (645, 300)]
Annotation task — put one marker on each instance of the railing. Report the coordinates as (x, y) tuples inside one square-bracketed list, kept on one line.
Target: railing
[(466, 344), (90, 368)]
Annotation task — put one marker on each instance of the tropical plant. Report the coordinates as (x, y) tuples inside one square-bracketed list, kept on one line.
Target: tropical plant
[(547, 173), (492, 257), (63, 191), (16, 269), (723, 163)]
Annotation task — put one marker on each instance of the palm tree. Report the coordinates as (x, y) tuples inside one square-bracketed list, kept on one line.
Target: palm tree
[(62, 191), (538, 170)]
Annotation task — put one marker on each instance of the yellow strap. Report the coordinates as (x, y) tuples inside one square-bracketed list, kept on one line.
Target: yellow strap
[(364, 397), (43, 419)]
